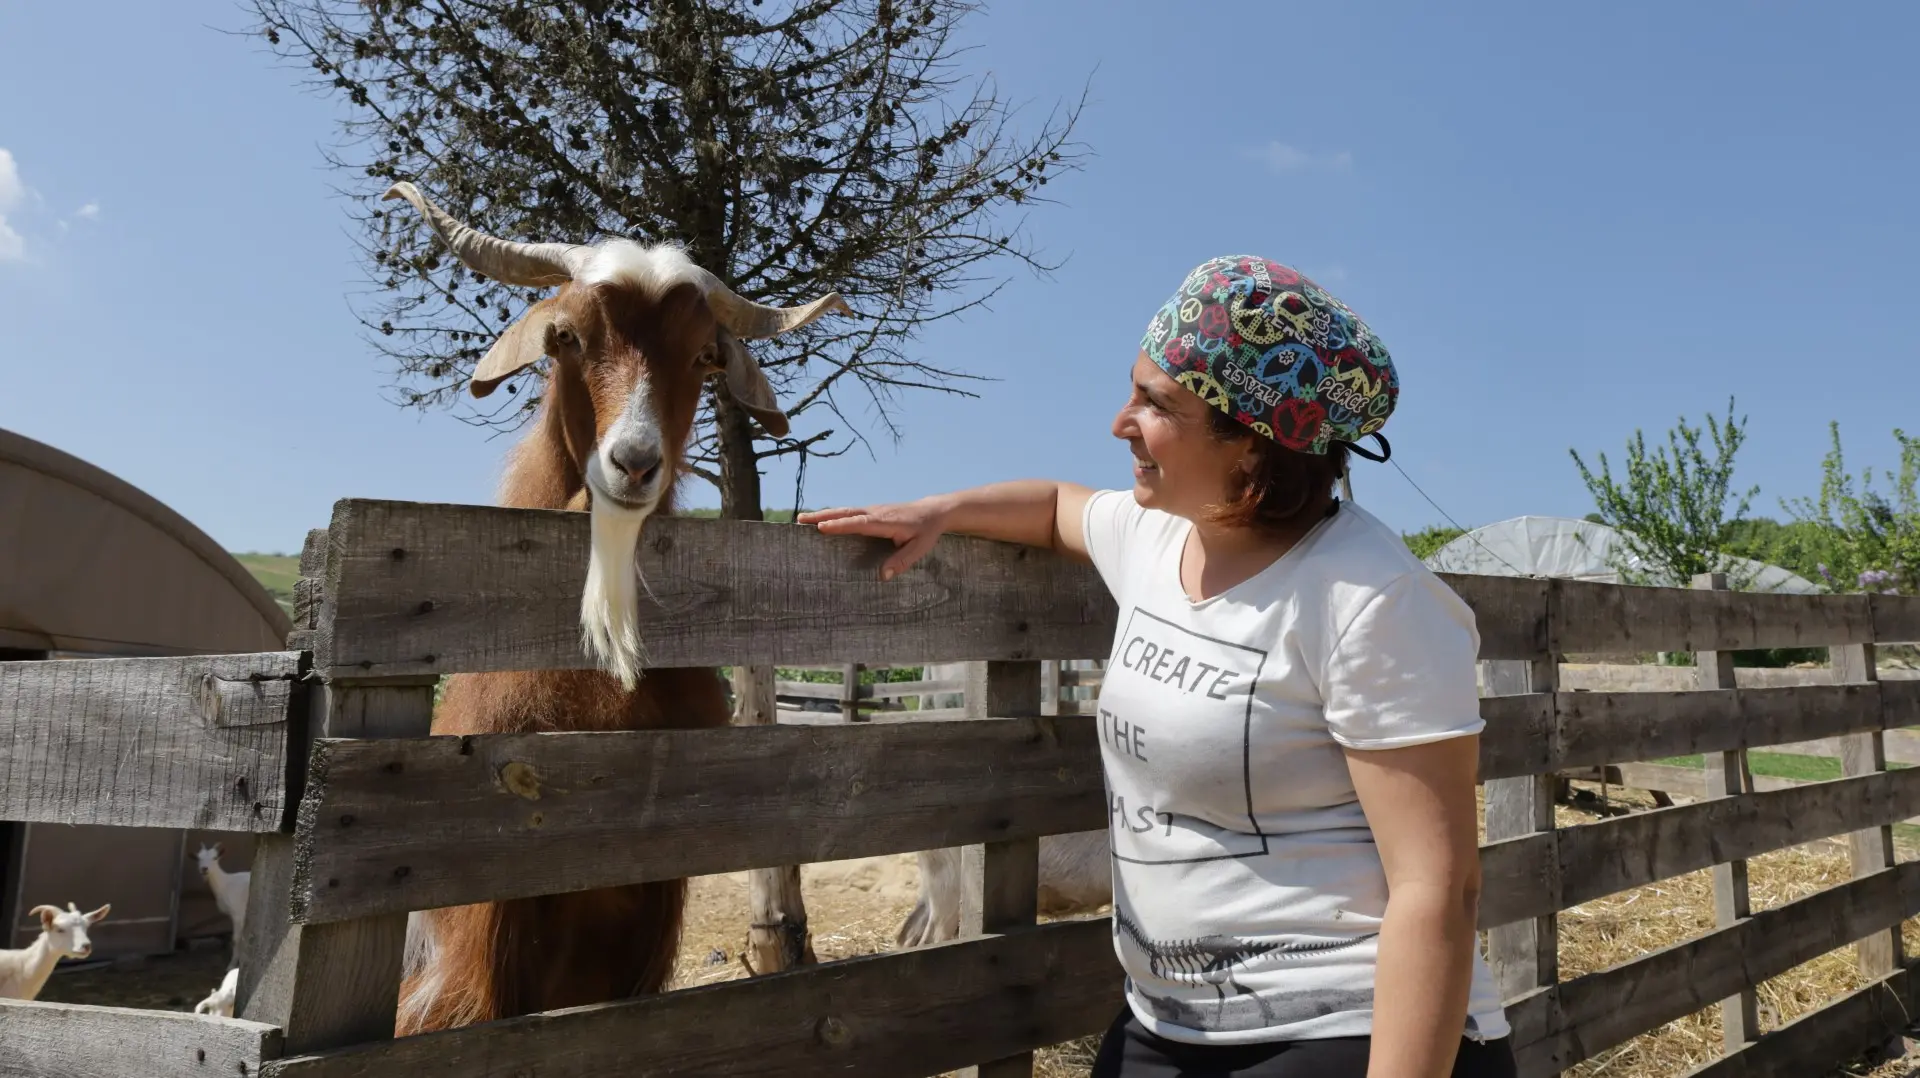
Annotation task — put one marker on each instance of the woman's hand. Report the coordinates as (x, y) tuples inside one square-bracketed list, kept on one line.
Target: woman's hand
[(1035, 512), (912, 526)]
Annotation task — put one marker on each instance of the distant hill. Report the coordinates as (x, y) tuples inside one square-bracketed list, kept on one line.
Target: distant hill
[(276, 573), (776, 516)]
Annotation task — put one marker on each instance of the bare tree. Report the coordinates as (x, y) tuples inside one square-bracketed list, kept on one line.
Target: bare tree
[(792, 148)]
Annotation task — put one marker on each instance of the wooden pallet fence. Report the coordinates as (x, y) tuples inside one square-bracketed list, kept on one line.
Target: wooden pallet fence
[(390, 821)]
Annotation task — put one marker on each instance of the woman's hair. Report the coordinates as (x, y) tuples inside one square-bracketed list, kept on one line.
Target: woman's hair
[(1285, 487)]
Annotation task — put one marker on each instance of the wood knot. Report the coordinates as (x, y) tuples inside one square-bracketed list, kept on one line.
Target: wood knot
[(832, 1031), (536, 821), (399, 554), (520, 780)]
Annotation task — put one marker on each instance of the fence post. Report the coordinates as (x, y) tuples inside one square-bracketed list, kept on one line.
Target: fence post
[(1728, 775), (1001, 879), (329, 985), (850, 693), (1872, 849), (777, 937), (1524, 955)]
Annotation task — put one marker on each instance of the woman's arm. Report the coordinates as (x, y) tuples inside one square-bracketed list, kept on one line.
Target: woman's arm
[(1419, 803), (1036, 512)]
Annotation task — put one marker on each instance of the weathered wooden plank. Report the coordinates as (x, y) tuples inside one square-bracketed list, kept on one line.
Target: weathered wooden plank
[(1536, 732), (777, 935), (329, 985), (194, 742), (808, 690), (65, 1040), (423, 588), (1871, 849), (415, 824), (1610, 677), (924, 1011), (1900, 746), (1555, 1029), (1518, 739), (1594, 728), (1509, 611), (1517, 874), (1685, 781), (1815, 1042), (444, 588), (1524, 953), (1611, 618), (1727, 773), (1896, 619), (893, 690), (1000, 881), (1603, 858)]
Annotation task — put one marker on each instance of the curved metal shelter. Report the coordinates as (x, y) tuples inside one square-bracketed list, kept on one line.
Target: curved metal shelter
[(91, 565)]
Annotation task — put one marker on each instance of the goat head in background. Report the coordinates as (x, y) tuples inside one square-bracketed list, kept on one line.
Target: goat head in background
[(633, 332)]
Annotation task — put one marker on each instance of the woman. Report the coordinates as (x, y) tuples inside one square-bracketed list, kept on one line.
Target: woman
[(1289, 717)]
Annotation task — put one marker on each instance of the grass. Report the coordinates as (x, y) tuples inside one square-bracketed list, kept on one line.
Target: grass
[(276, 573), (1779, 765)]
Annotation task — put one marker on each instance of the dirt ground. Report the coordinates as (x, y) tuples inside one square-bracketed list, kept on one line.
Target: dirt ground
[(173, 982)]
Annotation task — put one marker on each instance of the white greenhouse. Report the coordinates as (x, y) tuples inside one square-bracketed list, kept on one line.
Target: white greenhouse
[(1574, 549)]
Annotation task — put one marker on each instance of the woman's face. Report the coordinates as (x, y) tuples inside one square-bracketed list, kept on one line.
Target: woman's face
[(1179, 467)]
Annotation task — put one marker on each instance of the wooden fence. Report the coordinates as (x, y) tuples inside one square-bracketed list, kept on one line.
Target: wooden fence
[(323, 752)]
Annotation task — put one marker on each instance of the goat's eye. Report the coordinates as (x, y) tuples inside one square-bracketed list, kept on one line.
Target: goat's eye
[(565, 337)]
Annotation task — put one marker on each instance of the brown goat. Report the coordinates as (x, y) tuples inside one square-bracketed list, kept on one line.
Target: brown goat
[(633, 333)]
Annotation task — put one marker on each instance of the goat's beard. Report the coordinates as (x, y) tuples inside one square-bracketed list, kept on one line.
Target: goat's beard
[(610, 604)]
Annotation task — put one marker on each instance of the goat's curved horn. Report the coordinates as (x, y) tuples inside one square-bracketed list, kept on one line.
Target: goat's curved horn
[(506, 261), (749, 320)]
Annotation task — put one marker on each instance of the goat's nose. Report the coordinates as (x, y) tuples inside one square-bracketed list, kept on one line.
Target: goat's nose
[(637, 460)]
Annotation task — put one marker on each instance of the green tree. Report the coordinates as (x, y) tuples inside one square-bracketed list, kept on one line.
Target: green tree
[(793, 150), (1797, 546), (1429, 539), (1675, 508), (1873, 539)]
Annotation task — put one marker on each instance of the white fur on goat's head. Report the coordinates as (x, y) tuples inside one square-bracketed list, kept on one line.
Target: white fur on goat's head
[(634, 332), (66, 930), (209, 856)]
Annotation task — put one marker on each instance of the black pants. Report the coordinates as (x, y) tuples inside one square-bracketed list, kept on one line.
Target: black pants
[(1129, 1051)]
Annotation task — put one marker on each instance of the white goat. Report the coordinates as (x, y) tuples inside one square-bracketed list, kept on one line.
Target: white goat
[(229, 888), (220, 1000), (25, 971), (1076, 876)]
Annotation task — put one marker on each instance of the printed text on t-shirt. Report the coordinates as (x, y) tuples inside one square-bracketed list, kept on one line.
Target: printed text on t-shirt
[(1167, 666)]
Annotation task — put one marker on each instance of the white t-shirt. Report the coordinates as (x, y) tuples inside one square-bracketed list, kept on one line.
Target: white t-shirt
[(1248, 892)]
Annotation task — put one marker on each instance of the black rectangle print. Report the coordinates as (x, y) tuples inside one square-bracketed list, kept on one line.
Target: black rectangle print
[(1126, 839)]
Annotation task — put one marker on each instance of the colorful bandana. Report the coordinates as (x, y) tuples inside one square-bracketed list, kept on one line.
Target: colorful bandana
[(1275, 351)]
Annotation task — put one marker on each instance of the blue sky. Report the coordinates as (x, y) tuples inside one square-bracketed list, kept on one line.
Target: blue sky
[(1566, 221)]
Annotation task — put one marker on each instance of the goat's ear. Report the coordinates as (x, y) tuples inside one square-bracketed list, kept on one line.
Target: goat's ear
[(749, 385), (519, 347), (99, 915)]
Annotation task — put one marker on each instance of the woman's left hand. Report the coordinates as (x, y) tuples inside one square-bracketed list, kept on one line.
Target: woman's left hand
[(913, 528)]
